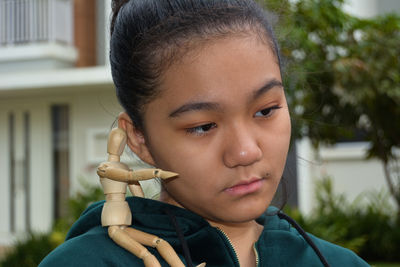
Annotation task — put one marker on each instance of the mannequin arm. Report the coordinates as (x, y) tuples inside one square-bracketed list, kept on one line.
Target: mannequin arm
[(107, 170)]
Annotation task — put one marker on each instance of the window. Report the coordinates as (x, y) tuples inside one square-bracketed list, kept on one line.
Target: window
[(60, 151)]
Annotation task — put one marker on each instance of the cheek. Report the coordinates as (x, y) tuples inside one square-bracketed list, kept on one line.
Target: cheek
[(195, 165), (197, 172), (178, 156)]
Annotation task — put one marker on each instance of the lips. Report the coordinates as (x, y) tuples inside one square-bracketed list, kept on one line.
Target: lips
[(246, 182), (245, 187)]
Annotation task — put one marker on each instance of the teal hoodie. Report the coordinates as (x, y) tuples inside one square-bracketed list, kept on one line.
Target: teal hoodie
[(280, 244)]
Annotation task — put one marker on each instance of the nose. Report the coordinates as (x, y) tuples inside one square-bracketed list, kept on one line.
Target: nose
[(241, 148)]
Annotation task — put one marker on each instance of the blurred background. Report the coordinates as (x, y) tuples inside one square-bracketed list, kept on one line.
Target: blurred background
[(342, 78)]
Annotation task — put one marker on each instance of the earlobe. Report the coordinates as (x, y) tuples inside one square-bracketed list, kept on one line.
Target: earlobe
[(135, 138)]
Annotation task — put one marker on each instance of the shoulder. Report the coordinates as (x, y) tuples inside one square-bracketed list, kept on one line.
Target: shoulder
[(288, 246), (94, 248), (88, 244), (337, 255)]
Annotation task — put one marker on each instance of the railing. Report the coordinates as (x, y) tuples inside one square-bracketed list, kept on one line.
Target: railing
[(35, 21)]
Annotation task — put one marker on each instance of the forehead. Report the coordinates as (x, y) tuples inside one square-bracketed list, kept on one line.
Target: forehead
[(189, 46), (238, 61)]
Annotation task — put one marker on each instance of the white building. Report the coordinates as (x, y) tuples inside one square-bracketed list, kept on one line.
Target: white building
[(57, 104)]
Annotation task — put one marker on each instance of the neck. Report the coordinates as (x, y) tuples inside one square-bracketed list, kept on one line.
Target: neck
[(243, 236)]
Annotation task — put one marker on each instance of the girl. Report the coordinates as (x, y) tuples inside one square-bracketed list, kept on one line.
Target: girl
[(200, 82)]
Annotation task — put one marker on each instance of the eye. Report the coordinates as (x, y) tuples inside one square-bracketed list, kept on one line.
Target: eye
[(267, 112), (201, 129)]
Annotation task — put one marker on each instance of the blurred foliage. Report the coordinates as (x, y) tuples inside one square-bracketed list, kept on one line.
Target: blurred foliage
[(341, 76), (366, 226), (30, 251)]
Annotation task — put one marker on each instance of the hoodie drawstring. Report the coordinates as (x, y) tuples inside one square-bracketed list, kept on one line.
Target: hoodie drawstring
[(181, 237), (281, 215), (305, 236)]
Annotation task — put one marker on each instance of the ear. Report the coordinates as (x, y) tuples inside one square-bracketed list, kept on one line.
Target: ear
[(135, 138)]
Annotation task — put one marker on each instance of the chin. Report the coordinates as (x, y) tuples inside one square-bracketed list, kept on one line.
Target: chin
[(241, 215)]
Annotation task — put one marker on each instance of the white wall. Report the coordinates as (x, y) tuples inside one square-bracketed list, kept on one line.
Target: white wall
[(370, 8), (40, 173), (92, 113), (346, 164), (354, 174)]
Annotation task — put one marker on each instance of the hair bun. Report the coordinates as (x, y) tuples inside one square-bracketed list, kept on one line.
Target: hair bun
[(115, 7)]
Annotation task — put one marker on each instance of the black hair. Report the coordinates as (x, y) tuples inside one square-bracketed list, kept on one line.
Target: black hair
[(149, 35)]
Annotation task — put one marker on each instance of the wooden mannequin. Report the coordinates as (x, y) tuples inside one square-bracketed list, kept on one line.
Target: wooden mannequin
[(115, 177)]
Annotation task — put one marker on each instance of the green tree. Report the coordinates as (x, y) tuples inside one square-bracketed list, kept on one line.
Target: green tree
[(342, 77)]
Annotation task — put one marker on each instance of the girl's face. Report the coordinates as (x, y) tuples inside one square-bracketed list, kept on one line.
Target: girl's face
[(221, 122)]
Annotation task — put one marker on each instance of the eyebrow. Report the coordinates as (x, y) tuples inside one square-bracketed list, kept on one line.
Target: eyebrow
[(265, 88), (194, 106)]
